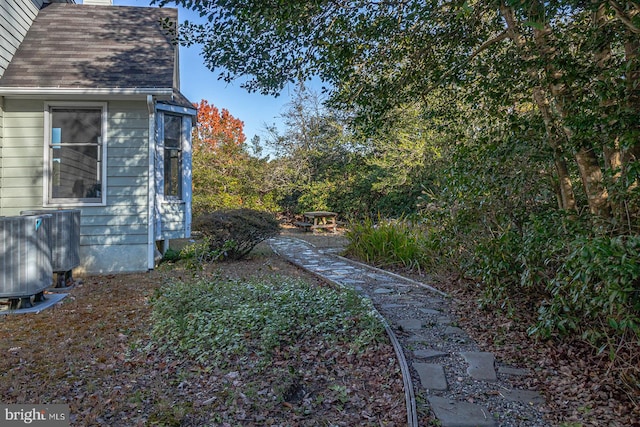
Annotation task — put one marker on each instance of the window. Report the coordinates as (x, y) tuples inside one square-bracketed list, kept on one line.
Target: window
[(75, 154), (172, 156)]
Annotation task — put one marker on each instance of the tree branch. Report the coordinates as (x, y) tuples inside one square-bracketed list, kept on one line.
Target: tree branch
[(623, 17), (497, 39)]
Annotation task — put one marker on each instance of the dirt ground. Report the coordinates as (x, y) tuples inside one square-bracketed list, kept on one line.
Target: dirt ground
[(93, 352), (87, 353)]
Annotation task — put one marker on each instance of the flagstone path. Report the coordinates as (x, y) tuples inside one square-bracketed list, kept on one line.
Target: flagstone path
[(453, 380)]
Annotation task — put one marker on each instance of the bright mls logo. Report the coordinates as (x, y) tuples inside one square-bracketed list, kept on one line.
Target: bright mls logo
[(35, 415)]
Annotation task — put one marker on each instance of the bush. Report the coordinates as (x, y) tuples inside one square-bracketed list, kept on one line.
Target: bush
[(234, 233), (596, 292)]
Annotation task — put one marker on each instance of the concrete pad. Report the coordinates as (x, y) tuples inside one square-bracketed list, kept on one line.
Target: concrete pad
[(481, 365), (530, 397), (452, 413), (428, 353), (432, 376), (50, 301)]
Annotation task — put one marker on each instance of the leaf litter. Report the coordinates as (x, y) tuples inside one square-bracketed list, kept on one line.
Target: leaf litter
[(94, 352)]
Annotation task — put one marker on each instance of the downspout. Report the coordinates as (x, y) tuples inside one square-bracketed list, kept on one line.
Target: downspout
[(151, 202), (1, 149)]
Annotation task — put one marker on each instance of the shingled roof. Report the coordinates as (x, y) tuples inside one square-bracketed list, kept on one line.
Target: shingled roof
[(73, 46)]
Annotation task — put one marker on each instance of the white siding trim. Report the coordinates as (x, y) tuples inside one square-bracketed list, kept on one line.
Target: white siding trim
[(187, 173), (151, 263)]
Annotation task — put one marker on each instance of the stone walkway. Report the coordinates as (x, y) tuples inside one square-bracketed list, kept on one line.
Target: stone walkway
[(453, 381)]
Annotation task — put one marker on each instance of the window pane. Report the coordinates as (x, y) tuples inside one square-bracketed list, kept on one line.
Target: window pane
[(78, 125), (76, 154), (172, 130), (172, 156), (172, 175)]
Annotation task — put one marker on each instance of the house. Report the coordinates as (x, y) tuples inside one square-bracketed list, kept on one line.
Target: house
[(92, 118)]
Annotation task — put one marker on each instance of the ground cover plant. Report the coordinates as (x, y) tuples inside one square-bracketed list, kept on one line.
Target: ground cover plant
[(286, 329), (95, 352)]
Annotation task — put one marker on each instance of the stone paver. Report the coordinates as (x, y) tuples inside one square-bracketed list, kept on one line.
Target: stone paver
[(428, 354), (525, 396), (454, 330), (452, 413), (427, 333), (431, 375), (481, 365), (410, 324)]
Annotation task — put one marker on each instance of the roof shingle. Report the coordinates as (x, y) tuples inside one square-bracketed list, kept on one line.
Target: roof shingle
[(104, 47)]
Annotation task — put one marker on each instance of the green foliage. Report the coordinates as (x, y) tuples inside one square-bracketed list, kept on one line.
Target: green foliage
[(219, 321), (325, 164), (171, 255), (201, 252), (596, 291), (229, 178), (385, 244), (232, 234)]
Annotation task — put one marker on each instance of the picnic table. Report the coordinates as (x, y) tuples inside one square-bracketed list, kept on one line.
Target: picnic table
[(322, 219)]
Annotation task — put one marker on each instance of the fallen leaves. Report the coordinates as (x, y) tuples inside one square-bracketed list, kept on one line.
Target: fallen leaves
[(580, 386), (92, 352)]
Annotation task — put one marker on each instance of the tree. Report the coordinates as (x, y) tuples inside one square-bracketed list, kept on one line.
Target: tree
[(225, 175), (216, 128), (570, 59)]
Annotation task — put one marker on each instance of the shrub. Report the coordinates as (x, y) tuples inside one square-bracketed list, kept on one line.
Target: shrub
[(198, 253), (234, 233), (596, 292)]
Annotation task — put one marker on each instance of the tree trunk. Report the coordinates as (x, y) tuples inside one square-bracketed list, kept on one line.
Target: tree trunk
[(590, 172), (591, 175), (567, 196)]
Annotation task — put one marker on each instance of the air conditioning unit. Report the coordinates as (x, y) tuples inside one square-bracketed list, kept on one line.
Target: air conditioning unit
[(25, 259), (65, 241)]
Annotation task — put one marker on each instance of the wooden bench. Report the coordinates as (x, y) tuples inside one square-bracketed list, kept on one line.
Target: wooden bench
[(322, 220), (306, 226)]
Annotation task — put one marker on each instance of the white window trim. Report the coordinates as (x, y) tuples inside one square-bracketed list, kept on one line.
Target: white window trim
[(166, 198), (47, 201), (186, 115)]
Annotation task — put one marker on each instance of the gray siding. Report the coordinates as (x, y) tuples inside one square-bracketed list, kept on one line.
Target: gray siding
[(16, 16), (113, 237), (173, 220), (22, 156)]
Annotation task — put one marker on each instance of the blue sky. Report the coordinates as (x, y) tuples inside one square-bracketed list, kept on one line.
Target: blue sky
[(197, 82)]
